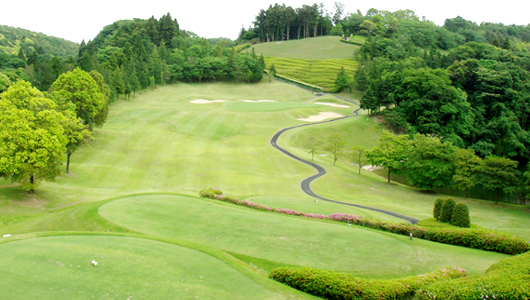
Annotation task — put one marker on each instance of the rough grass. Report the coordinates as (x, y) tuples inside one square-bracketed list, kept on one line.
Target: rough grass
[(326, 47), (322, 73)]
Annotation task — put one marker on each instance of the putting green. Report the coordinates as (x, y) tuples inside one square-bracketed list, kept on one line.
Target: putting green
[(290, 240), (128, 268)]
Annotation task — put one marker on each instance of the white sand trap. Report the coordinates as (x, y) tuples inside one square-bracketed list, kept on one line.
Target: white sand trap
[(259, 100), (321, 117), (332, 104), (202, 101)]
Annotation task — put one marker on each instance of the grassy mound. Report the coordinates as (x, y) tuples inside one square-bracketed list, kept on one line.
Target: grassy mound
[(128, 268), (322, 73), (285, 239), (325, 47)]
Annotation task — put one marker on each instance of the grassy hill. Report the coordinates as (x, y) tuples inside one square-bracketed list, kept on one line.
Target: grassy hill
[(316, 61), (325, 47), (131, 204), (12, 39)]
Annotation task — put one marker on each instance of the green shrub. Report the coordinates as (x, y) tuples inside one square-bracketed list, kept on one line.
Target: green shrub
[(333, 285), (438, 208), (460, 216), (507, 279), (447, 210)]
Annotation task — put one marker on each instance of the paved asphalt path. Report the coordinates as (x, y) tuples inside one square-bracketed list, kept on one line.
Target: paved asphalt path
[(306, 184)]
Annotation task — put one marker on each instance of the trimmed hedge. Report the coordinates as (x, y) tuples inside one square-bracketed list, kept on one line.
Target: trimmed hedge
[(447, 210), (353, 42), (476, 238), (333, 285), (507, 279), (461, 216), (437, 208)]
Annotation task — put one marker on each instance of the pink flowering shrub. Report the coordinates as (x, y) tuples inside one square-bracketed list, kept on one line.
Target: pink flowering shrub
[(477, 238)]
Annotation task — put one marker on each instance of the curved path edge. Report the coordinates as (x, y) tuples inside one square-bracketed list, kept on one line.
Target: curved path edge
[(306, 183)]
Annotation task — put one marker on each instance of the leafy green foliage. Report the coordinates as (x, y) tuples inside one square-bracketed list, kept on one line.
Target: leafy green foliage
[(465, 162), (460, 216), (335, 143), (429, 162), (342, 81), (496, 173), (446, 214), (32, 139), (390, 153), (12, 39), (437, 208), (507, 279), (333, 285), (82, 90)]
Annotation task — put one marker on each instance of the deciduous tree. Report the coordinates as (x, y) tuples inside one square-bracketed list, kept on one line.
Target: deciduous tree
[(390, 153), (32, 137), (498, 173)]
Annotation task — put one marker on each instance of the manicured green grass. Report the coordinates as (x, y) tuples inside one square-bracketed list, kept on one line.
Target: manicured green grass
[(290, 240), (160, 143), (267, 106), (326, 47), (322, 73), (128, 268)]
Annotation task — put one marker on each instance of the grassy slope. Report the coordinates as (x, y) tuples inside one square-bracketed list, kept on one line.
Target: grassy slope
[(161, 143), (316, 61), (290, 240), (326, 47), (131, 267)]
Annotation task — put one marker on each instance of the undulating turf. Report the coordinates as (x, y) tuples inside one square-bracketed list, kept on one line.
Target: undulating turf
[(290, 240), (159, 143), (326, 47), (128, 268)]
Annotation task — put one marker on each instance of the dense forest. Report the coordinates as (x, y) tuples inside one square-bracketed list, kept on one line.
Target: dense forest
[(12, 39)]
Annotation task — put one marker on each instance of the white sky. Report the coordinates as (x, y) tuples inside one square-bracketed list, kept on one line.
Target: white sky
[(78, 20)]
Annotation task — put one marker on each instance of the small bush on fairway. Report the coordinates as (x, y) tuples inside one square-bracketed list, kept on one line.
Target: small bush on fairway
[(438, 208), (447, 210), (460, 216), (507, 279), (333, 285)]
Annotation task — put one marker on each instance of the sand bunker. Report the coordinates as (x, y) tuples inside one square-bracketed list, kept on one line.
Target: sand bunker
[(202, 101), (332, 104), (259, 100), (321, 117)]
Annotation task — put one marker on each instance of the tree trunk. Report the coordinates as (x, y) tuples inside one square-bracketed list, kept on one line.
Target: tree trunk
[(315, 31), (467, 193), (320, 30), (496, 195), (388, 175), (298, 31), (288, 31), (68, 163), (32, 182)]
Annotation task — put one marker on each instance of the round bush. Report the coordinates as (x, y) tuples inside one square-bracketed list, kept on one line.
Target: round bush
[(438, 208), (447, 210), (460, 216)]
